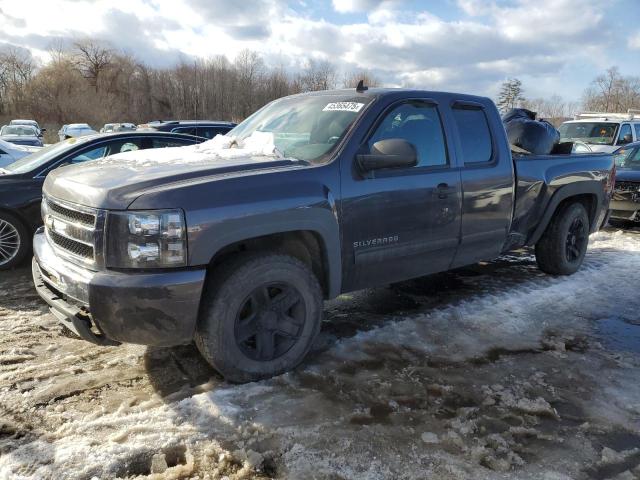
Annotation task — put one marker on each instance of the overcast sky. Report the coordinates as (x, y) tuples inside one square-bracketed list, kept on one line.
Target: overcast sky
[(553, 46)]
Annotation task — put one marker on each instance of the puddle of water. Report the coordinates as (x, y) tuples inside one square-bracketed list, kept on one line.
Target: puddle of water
[(619, 334)]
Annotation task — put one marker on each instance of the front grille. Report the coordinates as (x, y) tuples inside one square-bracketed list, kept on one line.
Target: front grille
[(73, 215), (627, 187), (75, 231), (72, 246)]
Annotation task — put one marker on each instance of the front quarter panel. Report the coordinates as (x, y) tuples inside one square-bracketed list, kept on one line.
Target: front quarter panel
[(221, 211)]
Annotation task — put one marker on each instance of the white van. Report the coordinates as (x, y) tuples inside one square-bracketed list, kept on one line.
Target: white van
[(601, 132)]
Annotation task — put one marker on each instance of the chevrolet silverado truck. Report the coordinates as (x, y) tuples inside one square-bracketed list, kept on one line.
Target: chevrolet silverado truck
[(234, 243)]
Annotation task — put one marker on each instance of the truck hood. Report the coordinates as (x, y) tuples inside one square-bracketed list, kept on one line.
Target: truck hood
[(116, 181)]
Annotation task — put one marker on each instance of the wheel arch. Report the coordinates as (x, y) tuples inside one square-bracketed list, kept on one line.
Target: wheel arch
[(313, 247), (590, 195)]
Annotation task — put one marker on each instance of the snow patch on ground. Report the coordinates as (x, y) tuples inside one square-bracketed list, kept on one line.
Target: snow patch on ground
[(496, 384)]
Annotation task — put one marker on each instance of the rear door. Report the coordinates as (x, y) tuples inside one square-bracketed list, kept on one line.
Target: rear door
[(487, 181), (400, 223)]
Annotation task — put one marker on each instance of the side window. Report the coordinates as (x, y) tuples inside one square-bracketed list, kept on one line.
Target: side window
[(168, 143), (418, 123), (475, 136), (637, 129), (88, 155), (127, 147), (185, 130), (625, 129)]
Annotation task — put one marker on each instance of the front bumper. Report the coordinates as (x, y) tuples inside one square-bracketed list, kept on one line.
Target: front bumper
[(626, 206), (108, 307)]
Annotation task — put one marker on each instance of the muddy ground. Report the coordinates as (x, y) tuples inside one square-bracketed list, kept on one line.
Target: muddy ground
[(491, 371)]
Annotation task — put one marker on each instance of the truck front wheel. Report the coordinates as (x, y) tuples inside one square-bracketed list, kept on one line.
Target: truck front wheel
[(563, 245), (260, 316)]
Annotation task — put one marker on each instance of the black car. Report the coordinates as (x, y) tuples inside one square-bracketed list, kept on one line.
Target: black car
[(21, 135), (625, 204), (21, 182), (199, 128)]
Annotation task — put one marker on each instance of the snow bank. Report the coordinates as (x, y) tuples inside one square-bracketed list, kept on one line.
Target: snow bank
[(259, 146)]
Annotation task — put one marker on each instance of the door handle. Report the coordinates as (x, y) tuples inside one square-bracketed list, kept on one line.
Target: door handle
[(443, 190)]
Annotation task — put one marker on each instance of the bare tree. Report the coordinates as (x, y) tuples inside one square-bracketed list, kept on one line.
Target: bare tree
[(351, 79), (612, 92), (92, 58), (317, 75)]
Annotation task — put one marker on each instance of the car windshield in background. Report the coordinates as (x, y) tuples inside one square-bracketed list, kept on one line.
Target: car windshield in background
[(21, 130), (42, 156), (304, 128), (588, 132), (628, 158)]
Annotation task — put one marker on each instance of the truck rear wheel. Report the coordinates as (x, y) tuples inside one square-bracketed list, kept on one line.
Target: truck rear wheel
[(563, 245), (260, 316)]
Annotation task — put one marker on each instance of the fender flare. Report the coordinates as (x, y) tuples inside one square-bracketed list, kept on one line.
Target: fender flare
[(562, 194), (319, 221)]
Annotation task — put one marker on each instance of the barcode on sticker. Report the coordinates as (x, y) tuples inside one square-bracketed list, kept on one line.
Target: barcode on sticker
[(343, 107)]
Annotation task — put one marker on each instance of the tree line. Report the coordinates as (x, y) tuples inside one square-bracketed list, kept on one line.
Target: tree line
[(610, 92), (92, 82)]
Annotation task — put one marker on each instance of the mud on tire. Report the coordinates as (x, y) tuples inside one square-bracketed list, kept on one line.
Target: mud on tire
[(259, 317), (562, 247)]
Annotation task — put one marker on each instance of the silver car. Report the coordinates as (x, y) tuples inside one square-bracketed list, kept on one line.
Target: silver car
[(74, 130)]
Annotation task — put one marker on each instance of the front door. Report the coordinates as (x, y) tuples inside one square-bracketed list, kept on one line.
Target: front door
[(400, 223)]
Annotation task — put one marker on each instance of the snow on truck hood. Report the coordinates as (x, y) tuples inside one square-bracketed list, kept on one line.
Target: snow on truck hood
[(115, 181)]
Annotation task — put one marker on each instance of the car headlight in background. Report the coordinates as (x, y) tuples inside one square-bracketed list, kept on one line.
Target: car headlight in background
[(146, 239)]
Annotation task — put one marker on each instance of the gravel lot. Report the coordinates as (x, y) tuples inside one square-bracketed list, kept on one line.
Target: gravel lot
[(493, 371)]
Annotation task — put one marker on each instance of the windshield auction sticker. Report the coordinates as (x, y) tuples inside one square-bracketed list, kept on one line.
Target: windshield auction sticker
[(343, 107)]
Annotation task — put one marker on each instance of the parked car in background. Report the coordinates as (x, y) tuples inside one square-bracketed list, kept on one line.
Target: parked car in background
[(74, 130), (21, 181), (33, 123), (601, 132), (10, 152), (108, 128), (21, 135), (237, 244), (199, 128), (625, 204), (118, 127)]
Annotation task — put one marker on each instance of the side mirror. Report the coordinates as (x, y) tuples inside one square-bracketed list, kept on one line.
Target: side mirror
[(42, 130), (389, 153)]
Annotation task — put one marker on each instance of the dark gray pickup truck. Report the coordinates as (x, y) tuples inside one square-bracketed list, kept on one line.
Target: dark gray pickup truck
[(236, 242)]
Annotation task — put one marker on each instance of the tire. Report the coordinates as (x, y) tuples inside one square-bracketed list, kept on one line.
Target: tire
[(563, 245), (259, 317), (15, 241)]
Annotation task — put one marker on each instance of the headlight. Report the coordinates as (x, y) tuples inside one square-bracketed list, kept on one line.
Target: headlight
[(149, 239)]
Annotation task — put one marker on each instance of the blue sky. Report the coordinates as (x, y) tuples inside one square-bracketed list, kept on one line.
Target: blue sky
[(553, 46)]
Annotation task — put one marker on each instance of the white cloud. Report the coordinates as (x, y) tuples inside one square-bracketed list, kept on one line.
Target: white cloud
[(401, 43)]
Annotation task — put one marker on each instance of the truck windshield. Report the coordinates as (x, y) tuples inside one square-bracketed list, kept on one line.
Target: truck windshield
[(599, 133), (304, 128)]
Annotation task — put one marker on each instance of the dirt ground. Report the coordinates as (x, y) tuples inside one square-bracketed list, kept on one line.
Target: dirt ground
[(495, 371)]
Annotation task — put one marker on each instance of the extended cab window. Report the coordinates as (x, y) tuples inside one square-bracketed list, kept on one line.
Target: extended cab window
[(474, 133), (625, 130), (418, 123)]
